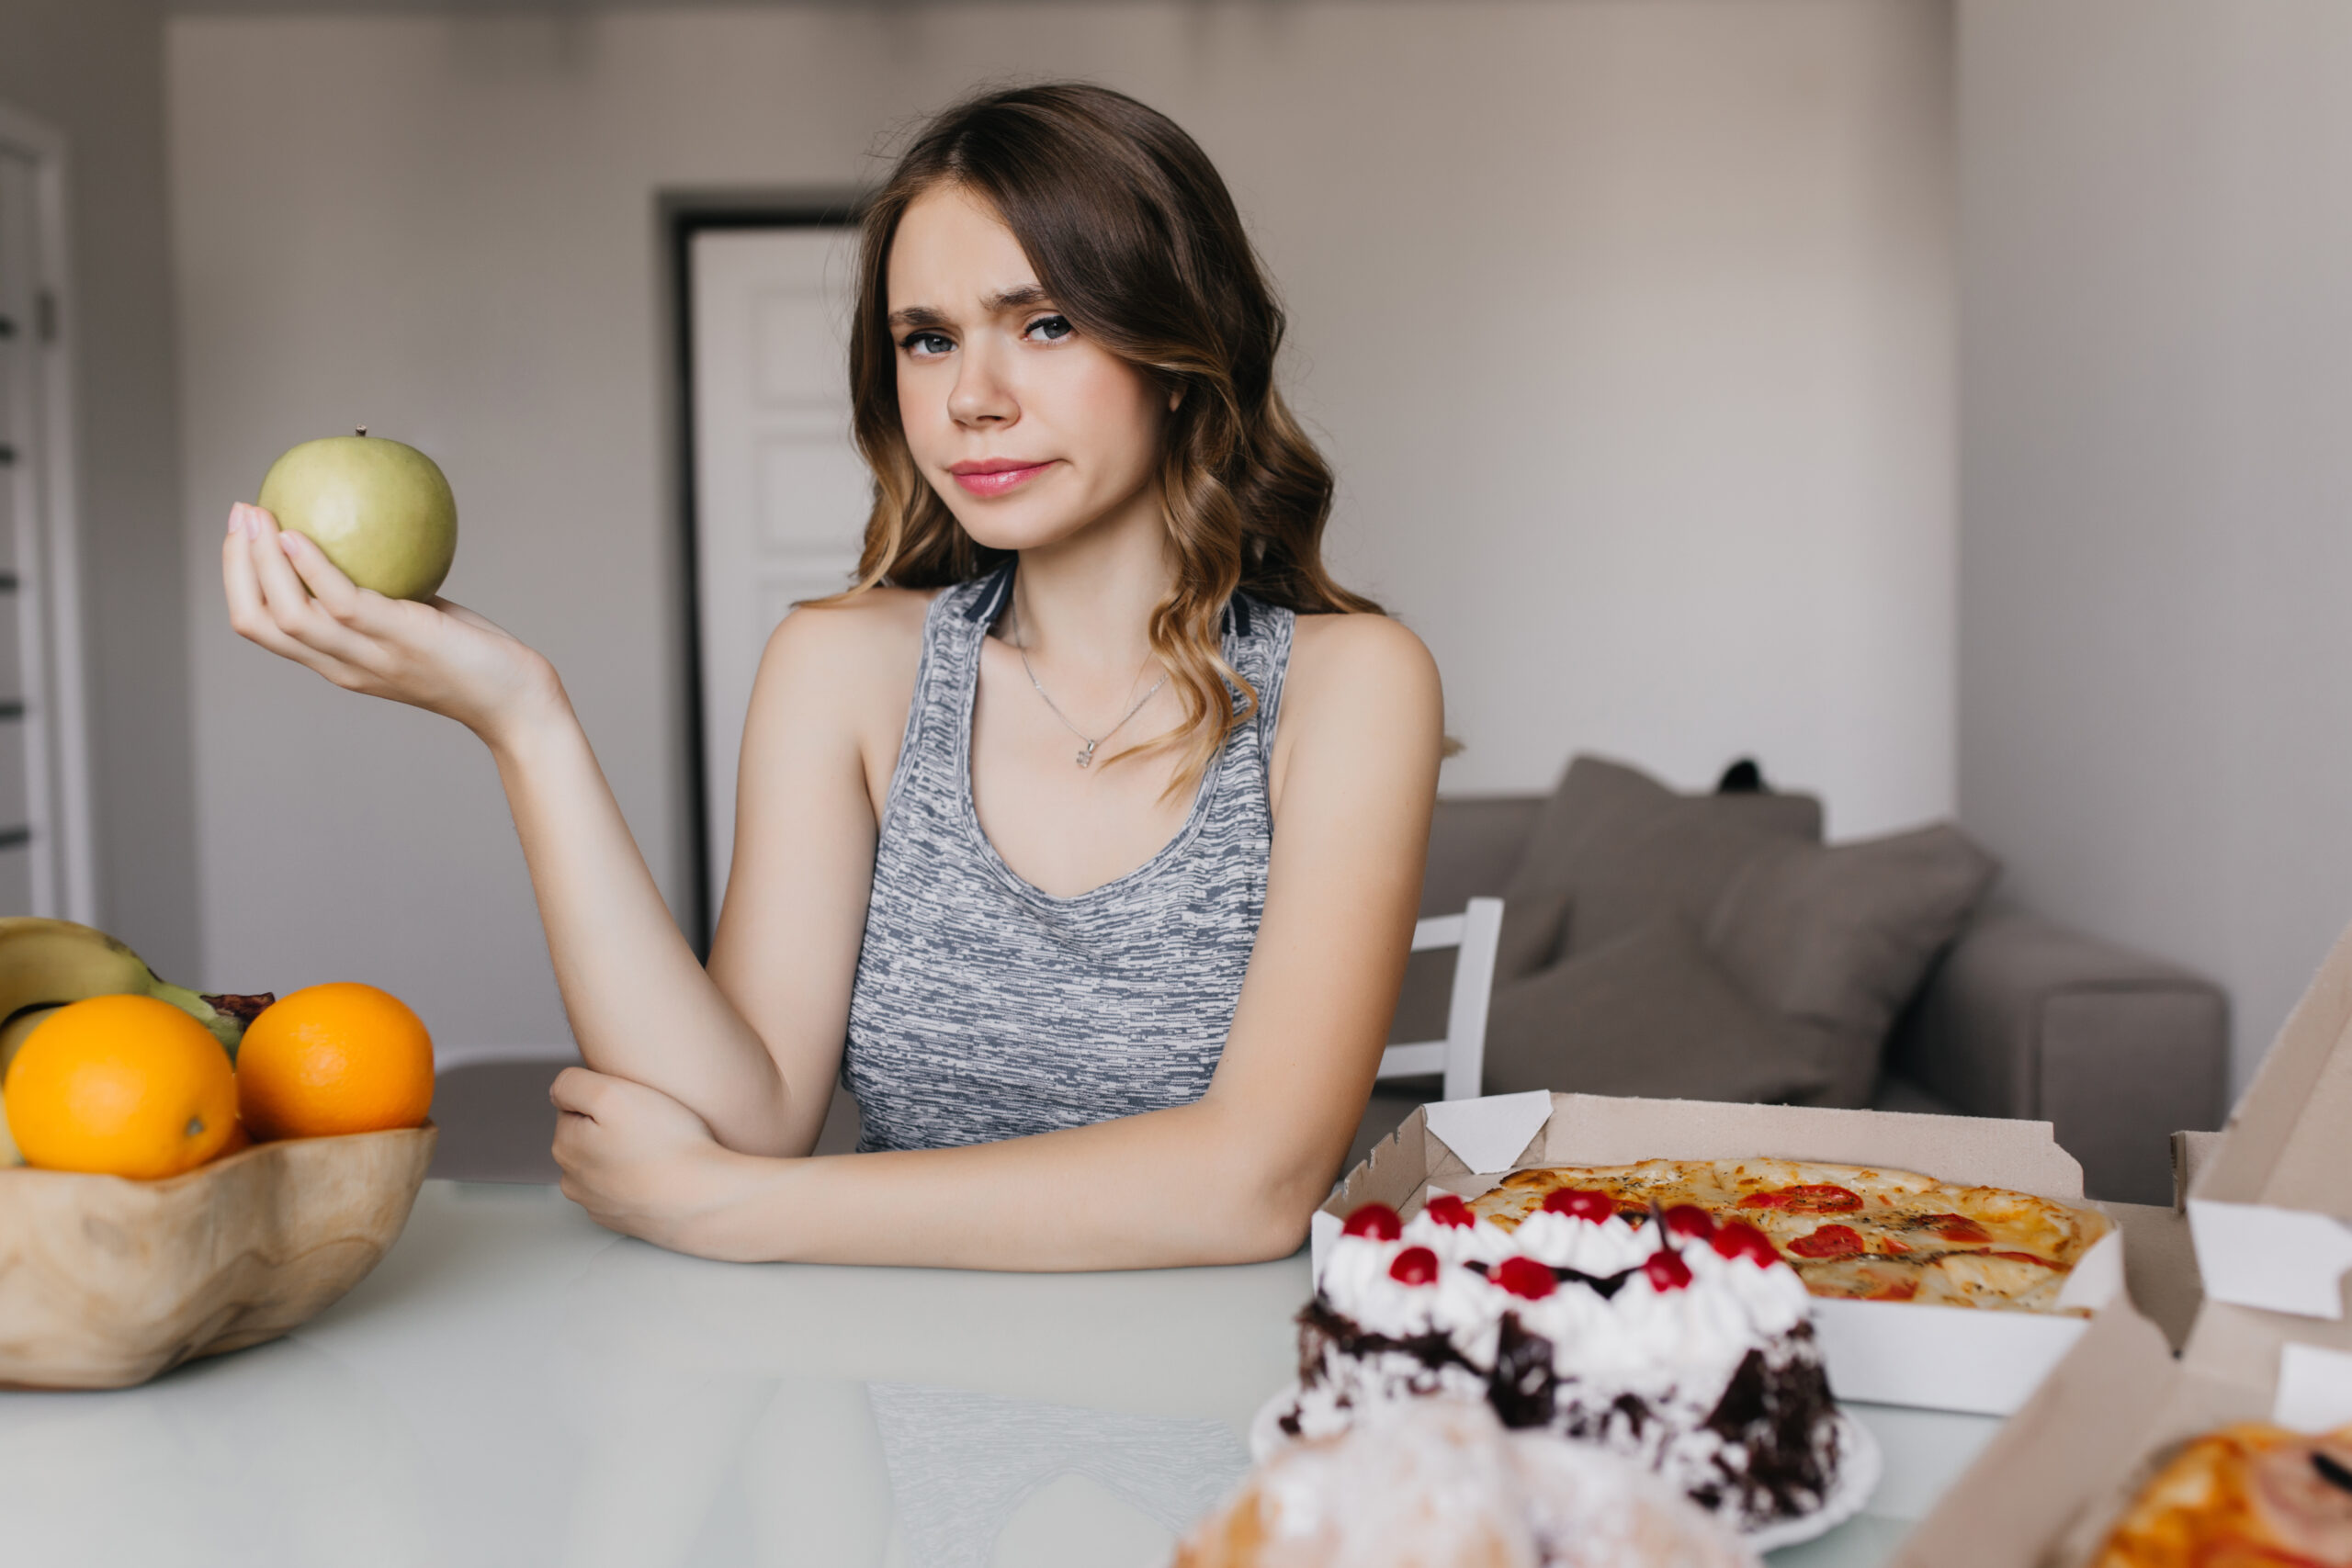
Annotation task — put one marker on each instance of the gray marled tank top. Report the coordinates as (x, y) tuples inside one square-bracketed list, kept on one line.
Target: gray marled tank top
[(985, 1009)]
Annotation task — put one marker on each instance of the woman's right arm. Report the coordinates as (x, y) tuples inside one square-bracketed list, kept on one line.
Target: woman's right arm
[(641, 1006)]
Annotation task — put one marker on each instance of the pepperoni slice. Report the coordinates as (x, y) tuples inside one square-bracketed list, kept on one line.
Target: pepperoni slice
[(1829, 1241), (1956, 1227), (1811, 1198)]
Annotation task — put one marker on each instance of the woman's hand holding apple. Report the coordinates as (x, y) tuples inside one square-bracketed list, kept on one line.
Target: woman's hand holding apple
[(287, 596)]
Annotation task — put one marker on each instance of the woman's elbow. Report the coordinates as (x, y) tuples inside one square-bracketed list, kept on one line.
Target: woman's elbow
[(1271, 1214)]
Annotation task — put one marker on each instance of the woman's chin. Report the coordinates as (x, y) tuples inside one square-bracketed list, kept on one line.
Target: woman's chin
[(1011, 527)]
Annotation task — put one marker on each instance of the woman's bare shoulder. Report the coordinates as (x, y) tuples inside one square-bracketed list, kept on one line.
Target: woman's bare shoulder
[(1361, 705), (1362, 697), (1347, 656), (865, 636)]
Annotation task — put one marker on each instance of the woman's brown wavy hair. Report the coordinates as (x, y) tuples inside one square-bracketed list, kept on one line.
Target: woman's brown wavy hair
[(1137, 242)]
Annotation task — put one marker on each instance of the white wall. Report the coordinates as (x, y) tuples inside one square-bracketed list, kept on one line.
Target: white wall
[(1627, 322), (2157, 482), (92, 69)]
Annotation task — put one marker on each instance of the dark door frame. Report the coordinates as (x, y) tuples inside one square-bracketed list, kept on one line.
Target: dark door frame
[(680, 215)]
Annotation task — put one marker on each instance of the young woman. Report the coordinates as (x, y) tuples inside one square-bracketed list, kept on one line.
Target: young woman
[(1081, 838)]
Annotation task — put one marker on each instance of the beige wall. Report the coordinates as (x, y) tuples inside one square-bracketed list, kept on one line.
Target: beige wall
[(2156, 483), (92, 69), (1628, 324)]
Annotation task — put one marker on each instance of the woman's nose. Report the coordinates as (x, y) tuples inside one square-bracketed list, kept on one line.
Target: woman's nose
[(980, 395)]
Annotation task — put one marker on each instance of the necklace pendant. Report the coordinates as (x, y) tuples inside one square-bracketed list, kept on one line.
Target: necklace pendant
[(1086, 756)]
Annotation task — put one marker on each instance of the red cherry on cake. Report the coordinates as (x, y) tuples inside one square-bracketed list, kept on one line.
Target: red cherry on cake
[(1524, 1277), (1445, 1209), (1580, 1203), (1666, 1271), (1690, 1220), (1740, 1240), (1414, 1266), (1377, 1221)]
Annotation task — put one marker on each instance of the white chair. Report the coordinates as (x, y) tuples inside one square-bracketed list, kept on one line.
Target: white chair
[(1462, 1054)]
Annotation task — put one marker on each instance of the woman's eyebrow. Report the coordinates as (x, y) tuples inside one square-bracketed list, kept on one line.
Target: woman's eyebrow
[(1002, 302)]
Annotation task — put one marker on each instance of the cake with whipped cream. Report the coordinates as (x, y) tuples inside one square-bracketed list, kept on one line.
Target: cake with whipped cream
[(1438, 1483), (1678, 1341)]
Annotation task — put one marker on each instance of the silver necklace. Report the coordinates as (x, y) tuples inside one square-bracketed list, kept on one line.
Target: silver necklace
[(1086, 752)]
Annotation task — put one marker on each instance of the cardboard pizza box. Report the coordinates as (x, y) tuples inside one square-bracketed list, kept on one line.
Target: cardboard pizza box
[(2044, 1493), (2268, 1206), (2271, 1211), (1887, 1353)]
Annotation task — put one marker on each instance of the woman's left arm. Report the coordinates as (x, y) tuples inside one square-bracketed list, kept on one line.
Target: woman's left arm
[(1231, 1178)]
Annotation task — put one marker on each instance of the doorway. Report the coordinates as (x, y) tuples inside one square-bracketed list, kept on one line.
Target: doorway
[(47, 860), (777, 495)]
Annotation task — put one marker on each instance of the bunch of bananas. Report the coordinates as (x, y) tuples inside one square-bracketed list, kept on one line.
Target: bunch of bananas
[(45, 964)]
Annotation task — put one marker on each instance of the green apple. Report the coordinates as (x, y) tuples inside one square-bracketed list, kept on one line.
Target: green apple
[(380, 511)]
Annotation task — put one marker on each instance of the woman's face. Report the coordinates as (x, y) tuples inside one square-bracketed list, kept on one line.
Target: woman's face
[(1027, 430)]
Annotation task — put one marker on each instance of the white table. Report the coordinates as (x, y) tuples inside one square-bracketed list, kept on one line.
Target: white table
[(514, 1387)]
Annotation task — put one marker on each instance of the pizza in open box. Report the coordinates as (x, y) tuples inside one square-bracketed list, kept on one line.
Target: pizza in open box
[(2246, 1496), (1849, 1231)]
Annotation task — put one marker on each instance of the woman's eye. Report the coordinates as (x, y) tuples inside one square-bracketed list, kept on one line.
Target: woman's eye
[(1050, 329), (926, 345)]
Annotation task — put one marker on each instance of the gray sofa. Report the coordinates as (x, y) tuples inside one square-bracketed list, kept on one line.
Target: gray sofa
[(2019, 1018)]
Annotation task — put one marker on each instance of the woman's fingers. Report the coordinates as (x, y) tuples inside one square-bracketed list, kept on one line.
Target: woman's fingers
[(337, 595), (237, 580), (250, 614), (577, 1090), (307, 620)]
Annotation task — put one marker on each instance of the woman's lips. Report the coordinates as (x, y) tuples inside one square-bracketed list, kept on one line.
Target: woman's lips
[(995, 480)]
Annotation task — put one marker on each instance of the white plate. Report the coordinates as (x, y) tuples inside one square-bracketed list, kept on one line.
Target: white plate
[(1859, 1468)]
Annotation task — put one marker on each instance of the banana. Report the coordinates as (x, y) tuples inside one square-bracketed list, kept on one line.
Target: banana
[(45, 964)]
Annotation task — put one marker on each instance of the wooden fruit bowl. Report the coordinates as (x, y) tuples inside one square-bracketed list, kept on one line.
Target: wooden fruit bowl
[(105, 1282)]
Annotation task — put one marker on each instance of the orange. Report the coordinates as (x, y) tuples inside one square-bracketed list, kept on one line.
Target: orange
[(121, 1086), (335, 1058)]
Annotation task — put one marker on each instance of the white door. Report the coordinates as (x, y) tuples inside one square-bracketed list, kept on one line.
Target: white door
[(781, 495), (44, 824)]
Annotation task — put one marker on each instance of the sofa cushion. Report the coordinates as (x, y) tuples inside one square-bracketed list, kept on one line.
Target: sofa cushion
[(1535, 925), (1825, 942), (1625, 849), (1838, 937), (1646, 1013)]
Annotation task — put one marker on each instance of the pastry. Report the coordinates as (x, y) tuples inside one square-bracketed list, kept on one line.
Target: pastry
[(1437, 1483)]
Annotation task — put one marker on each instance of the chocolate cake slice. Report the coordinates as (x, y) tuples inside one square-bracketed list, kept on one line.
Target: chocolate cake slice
[(1683, 1344)]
